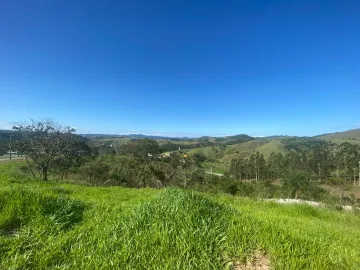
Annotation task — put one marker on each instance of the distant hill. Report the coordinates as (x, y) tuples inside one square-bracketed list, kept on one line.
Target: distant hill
[(246, 149), (5, 131), (241, 138), (131, 136), (183, 142), (350, 136)]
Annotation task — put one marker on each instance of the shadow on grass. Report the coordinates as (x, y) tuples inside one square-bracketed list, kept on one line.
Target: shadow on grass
[(19, 207)]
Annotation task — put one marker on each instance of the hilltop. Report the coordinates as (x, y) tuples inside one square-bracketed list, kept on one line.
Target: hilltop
[(350, 136)]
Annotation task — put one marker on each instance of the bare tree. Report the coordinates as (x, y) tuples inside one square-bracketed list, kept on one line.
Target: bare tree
[(48, 143)]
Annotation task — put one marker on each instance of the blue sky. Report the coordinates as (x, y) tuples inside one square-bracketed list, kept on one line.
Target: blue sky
[(182, 67)]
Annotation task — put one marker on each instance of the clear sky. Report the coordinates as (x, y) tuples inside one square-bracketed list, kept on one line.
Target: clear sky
[(179, 67)]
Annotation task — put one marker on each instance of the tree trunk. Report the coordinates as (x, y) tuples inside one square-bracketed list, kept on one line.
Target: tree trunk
[(144, 181), (185, 181), (45, 173), (354, 178), (28, 163), (359, 173)]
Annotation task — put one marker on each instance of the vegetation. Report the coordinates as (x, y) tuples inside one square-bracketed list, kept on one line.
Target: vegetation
[(353, 134), (6, 137), (62, 226), (134, 206), (49, 144)]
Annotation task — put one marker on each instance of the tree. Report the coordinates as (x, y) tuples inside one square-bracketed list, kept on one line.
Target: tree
[(237, 168), (143, 148), (295, 183), (164, 172), (148, 147), (49, 144), (320, 162), (276, 165), (258, 165), (199, 158)]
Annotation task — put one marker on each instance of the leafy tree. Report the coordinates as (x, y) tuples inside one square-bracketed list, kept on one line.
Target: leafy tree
[(199, 158), (276, 165), (147, 146), (198, 176), (257, 166), (49, 144), (320, 161), (237, 168), (295, 183)]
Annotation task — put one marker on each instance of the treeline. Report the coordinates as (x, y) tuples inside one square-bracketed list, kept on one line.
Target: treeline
[(319, 160), (5, 140), (169, 146), (54, 152), (139, 164)]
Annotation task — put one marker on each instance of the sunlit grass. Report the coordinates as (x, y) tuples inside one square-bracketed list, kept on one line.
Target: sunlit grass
[(65, 226)]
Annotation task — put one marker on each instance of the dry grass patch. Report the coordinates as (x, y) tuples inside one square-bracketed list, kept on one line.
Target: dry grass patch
[(258, 261)]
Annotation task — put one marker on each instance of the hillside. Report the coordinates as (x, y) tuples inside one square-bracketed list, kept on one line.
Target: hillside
[(60, 226), (246, 149), (350, 136), (210, 152)]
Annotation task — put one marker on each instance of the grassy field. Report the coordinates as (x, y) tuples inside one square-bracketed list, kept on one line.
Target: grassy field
[(210, 152), (64, 226), (245, 149), (346, 135)]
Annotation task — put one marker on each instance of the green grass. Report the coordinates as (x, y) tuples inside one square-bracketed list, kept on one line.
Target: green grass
[(262, 146), (296, 236), (63, 226), (212, 166), (272, 146), (246, 149), (346, 135), (210, 152)]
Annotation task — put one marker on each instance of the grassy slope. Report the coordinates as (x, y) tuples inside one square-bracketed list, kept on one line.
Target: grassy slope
[(209, 152), (265, 147), (298, 236), (353, 133), (273, 146), (350, 136), (116, 228), (246, 149)]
